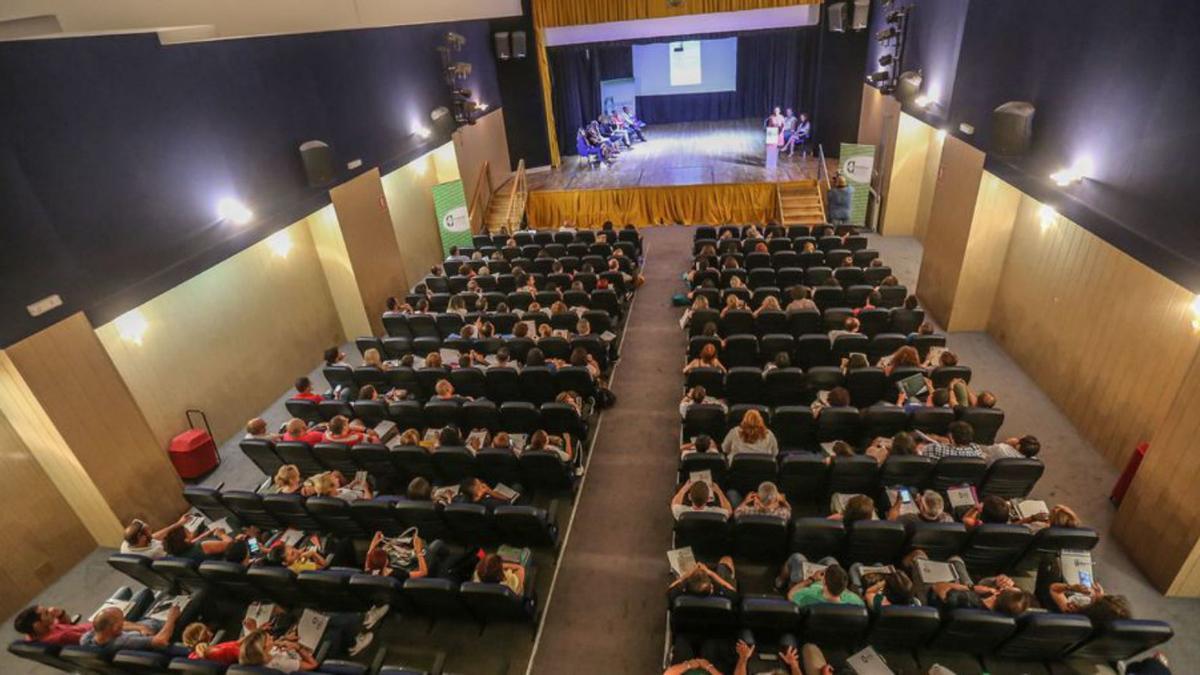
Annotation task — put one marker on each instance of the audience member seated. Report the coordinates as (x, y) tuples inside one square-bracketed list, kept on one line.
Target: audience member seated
[(901, 444), (256, 428), (701, 443), (111, 632), (474, 491), (703, 582), (858, 507), (1026, 446), (1091, 601), (260, 649), (998, 593), (559, 445), (838, 397), (336, 358), (829, 585), (296, 558), (139, 539), (334, 484), (767, 500), (904, 357), (697, 395), (801, 299), (402, 557), (51, 625), (992, 510), (961, 443), (304, 391), (342, 430), (199, 638), (706, 359), (930, 509), (297, 430), (493, 569), (752, 435), (700, 496), (179, 544)]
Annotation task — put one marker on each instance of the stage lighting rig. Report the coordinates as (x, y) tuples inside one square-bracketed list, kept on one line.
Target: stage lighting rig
[(879, 76), (465, 109), (886, 60)]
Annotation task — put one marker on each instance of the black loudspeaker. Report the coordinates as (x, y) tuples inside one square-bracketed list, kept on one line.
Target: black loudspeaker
[(502, 46), (837, 17), (519, 49), (318, 163), (1012, 128)]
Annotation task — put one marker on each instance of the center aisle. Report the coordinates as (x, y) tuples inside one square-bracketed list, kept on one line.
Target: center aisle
[(607, 612)]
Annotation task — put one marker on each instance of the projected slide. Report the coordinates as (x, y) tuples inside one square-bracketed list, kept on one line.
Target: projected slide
[(685, 67)]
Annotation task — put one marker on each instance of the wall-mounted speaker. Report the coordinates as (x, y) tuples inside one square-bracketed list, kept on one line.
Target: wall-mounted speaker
[(861, 9), (317, 158), (503, 51), (1012, 128), (519, 50), (836, 17)]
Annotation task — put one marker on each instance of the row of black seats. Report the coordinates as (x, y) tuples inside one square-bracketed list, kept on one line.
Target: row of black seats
[(824, 297), (811, 345), (543, 237), (1034, 636), (790, 231), (472, 524), (787, 260), (899, 324), (607, 299), (796, 429), (790, 275), (396, 465), (987, 549), (535, 384), (446, 325), (793, 386), (537, 259), (341, 589)]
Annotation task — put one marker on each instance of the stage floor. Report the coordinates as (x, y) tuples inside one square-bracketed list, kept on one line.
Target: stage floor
[(689, 153)]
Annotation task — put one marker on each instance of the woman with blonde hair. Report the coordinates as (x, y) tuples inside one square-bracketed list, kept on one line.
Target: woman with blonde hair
[(699, 302), (706, 359), (259, 649), (198, 638), (372, 357), (732, 301), (409, 437), (769, 304), (433, 360), (287, 479), (751, 435)]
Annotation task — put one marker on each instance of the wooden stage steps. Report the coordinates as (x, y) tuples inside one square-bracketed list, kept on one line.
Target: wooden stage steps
[(801, 203)]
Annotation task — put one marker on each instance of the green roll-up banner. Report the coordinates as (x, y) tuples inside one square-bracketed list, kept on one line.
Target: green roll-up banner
[(450, 203), (856, 163)]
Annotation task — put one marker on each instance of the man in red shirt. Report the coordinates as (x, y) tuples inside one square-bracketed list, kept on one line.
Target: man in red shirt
[(50, 625), (304, 391), (297, 430)]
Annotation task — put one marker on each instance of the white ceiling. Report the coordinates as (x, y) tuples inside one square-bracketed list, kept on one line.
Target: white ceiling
[(687, 24), (234, 18)]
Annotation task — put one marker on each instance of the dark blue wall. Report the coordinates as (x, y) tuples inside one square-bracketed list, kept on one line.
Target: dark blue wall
[(1113, 80), (114, 150), (935, 34)]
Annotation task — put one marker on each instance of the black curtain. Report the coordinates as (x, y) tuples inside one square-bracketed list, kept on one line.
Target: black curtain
[(778, 69), (616, 62), (575, 80)]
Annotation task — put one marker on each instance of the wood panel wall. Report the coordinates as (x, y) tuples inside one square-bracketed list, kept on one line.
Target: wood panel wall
[(330, 247), (1107, 338), (905, 186), (362, 212), (230, 340), (929, 181), (951, 213), (84, 397), (996, 210), (483, 141), (39, 531), (1159, 520), (414, 220)]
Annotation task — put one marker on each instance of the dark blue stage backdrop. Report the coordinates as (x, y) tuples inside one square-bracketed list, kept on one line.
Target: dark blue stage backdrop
[(1112, 81), (114, 150)]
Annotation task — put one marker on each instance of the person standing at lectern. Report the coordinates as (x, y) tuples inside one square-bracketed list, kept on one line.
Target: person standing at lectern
[(839, 200)]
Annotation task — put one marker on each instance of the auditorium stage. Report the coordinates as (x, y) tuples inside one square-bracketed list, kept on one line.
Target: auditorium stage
[(687, 173)]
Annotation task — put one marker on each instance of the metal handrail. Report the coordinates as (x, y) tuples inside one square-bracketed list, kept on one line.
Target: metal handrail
[(477, 213), (823, 169)]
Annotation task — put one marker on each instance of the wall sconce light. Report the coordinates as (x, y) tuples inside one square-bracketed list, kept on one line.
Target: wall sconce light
[(422, 131), (481, 107), (234, 211), (131, 326), (1047, 216), (922, 101), (280, 243), (1082, 168), (1196, 314)]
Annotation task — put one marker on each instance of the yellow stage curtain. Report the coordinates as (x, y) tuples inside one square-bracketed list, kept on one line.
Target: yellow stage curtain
[(740, 203), (548, 13), (551, 13)]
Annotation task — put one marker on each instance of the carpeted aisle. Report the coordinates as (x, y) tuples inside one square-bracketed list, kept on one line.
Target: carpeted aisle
[(608, 609)]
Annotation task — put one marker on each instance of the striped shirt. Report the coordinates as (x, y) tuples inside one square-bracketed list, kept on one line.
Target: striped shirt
[(940, 450)]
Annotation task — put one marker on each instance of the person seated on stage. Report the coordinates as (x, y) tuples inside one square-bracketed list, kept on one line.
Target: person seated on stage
[(801, 299), (706, 359), (695, 396), (139, 539), (631, 119), (619, 122), (304, 391), (607, 128), (593, 140), (789, 125), (801, 132), (840, 199), (112, 633), (597, 137)]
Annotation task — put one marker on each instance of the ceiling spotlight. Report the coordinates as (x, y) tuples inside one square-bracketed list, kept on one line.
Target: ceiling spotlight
[(895, 15), (422, 131), (1047, 215), (886, 34), (886, 60), (234, 211), (455, 41), (878, 76)]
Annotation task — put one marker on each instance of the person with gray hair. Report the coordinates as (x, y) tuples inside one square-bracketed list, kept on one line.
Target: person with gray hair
[(767, 500), (931, 508)]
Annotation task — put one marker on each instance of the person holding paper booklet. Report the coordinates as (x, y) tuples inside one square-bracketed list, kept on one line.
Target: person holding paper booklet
[(258, 648), (767, 500), (342, 430), (698, 395), (827, 584), (961, 443), (494, 569), (474, 491), (998, 593), (701, 581), (403, 557), (882, 585), (904, 357), (140, 539), (930, 509), (1090, 601), (700, 496), (199, 547)]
